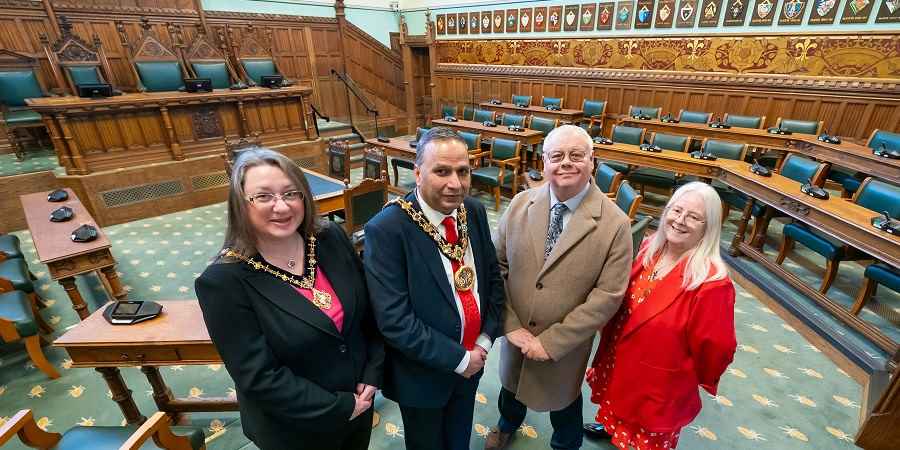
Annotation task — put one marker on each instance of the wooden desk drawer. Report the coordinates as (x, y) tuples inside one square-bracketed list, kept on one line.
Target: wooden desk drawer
[(124, 356)]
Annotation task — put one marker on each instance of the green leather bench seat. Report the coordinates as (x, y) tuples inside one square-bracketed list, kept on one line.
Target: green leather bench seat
[(10, 246), (22, 117), (16, 271), (16, 308), (216, 72), (111, 438), (17, 85), (160, 76), (885, 275)]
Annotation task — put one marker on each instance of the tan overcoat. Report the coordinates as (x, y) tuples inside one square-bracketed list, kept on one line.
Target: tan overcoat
[(565, 300)]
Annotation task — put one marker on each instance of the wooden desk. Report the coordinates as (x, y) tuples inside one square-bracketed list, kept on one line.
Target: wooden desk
[(177, 337), (66, 259), (394, 148), (679, 162), (91, 135), (328, 192), (847, 154), (527, 137), (564, 115)]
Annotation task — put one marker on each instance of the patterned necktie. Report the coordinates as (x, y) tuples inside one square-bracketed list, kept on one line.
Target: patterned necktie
[(467, 298), (556, 227)]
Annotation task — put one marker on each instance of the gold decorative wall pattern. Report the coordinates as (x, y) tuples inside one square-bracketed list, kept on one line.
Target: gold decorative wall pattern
[(863, 56)]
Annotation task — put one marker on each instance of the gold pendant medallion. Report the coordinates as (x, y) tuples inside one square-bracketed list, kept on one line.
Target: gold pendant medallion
[(321, 299), (464, 278)]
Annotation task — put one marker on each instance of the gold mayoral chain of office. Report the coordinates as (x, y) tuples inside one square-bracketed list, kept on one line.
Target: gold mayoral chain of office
[(464, 276), (321, 299)]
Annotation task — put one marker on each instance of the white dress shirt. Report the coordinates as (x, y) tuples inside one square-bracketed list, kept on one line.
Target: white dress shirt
[(571, 204), (436, 218)]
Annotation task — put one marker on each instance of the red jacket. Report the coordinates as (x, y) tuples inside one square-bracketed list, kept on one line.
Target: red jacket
[(676, 341)]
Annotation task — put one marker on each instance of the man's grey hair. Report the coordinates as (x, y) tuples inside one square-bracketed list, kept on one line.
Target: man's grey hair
[(564, 130), (436, 134)]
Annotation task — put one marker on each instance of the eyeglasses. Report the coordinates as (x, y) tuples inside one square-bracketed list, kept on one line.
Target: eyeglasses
[(690, 218), (268, 198), (558, 157)]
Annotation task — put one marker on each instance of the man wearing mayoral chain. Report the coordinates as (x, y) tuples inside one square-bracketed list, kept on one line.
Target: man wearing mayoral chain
[(437, 295)]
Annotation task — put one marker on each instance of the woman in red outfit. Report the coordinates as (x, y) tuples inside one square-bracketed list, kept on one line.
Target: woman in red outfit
[(674, 330)]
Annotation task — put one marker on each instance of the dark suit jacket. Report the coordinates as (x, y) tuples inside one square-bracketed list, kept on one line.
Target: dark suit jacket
[(415, 308), (294, 373)]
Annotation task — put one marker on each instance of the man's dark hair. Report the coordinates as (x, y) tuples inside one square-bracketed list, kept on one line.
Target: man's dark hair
[(436, 134)]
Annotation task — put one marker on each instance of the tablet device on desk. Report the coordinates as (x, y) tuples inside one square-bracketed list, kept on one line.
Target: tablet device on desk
[(272, 81), (198, 85), (128, 312), (95, 90)]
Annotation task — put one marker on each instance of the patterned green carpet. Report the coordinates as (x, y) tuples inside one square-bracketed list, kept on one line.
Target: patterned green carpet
[(780, 392), (35, 161)]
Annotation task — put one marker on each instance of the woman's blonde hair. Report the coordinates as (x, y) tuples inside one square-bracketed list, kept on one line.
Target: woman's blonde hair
[(706, 253), (239, 234)]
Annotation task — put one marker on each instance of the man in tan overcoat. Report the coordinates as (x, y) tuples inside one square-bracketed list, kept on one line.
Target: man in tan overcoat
[(565, 252)]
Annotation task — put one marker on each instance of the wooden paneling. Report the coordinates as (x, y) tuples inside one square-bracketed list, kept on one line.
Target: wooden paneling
[(14, 186)]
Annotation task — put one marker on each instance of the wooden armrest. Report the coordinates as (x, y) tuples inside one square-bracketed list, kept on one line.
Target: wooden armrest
[(512, 162), (611, 195), (157, 427), (479, 154), (30, 434), (8, 333)]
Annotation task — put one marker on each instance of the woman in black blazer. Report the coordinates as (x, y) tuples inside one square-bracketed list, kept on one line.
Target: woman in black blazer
[(287, 308)]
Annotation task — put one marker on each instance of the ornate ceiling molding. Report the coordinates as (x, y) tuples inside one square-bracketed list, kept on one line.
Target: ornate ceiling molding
[(717, 79)]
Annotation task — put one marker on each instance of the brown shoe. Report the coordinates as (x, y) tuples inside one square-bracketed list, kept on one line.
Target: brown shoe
[(496, 440)]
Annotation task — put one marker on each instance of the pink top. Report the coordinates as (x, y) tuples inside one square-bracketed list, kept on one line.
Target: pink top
[(336, 312)]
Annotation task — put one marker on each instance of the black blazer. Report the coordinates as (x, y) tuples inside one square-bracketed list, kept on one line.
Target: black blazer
[(415, 308), (294, 373)]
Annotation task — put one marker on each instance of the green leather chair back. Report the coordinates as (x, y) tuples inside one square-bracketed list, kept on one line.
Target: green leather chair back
[(671, 142), (555, 101), (372, 166), (366, 206), (160, 76), (519, 99), (694, 116), (744, 121), (801, 169), (217, 72), (890, 140), (17, 85), (651, 111), (879, 196), (504, 148), (448, 110), (607, 178), (337, 158), (725, 150), (543, 124), (473, 140), (421, 132), (258, 68), (801, 126), (637, 234), (625, 197), (628, 135), (512, 119), (84, 75), (468, 112), (483, 115), (593, 108)]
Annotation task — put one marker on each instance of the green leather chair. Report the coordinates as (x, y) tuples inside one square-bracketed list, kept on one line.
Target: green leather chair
[(18, 82), (850, 180), (648, 176), (628, 200), (876, 274), (594, 111), (503, 168), (448, 111), (625, 135), (468, 112), (508, 119), (552, 101), (795, 167), (735, 120), (473, 140), (483, 115), (256, 68), (155, 433), (160, 76), (10, 247), (84, 75), (545, 126), (20, 320), (519, 99), (800, 126), (607, 179), (339, 160), (215, 71), (873, 194), (694, 116), (409, 164), (650, 111), (724, 149), (638, 230), (363, 201)]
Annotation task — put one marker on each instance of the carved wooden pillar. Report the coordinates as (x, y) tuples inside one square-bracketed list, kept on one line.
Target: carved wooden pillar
[(170, 134), (198, 6), (245, 127), (59, 145), (72, 146), (303, 120), (51, 14), (311, 59), (342, 34), (408, 78), (432, 63), (162, 394), (122, 395)]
